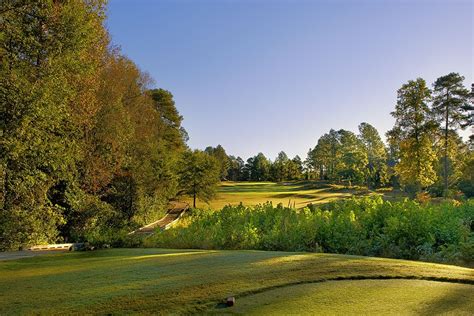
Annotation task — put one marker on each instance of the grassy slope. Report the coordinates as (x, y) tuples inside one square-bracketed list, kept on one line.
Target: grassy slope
[(301, 193), (151, 280), (368, 297)]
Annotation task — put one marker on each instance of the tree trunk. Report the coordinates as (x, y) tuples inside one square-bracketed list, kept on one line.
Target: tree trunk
[(194, 200), (417, 155), (446, 130), (130, 200)]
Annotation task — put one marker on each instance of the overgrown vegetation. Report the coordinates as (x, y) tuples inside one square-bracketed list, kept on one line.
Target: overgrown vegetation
[(365, 226)]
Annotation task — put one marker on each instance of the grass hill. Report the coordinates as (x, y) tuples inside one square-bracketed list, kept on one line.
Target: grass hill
[(182, 281)]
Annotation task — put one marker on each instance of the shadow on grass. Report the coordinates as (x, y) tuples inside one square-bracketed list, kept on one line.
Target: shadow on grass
[(455, 299), (261, 187), (153, 280), (325, 199), (293, 196)]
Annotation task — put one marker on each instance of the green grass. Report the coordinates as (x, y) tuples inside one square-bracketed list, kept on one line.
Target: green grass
[(299, 193), (369, 297), (158, 280)]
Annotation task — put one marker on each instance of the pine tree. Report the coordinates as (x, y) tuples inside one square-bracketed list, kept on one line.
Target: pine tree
[(376, 154), (450, 104)]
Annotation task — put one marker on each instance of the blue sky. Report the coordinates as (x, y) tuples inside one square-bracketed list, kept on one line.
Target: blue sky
[(265, 76)]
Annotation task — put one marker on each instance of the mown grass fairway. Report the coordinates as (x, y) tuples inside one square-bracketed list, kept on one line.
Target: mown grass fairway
[(298, 193), (158, 280), (363, 297)]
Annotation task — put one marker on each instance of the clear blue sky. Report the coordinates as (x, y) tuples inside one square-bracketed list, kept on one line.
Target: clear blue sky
[(265, 76)]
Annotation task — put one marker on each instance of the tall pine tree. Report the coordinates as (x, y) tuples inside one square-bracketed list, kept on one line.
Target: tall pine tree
[(450, 104)]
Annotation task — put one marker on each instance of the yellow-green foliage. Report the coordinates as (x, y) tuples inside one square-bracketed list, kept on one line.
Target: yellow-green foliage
[(417, 168), (85, 147), (364, 226), (150, 281)]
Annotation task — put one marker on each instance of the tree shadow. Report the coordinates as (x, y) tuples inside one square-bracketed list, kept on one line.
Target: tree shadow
[(460, 298)]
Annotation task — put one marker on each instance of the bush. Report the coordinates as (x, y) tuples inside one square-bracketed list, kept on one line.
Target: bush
[(362, 226), (467, 187)]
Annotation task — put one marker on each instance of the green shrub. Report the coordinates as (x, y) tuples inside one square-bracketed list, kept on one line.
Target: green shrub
[(359, 226)]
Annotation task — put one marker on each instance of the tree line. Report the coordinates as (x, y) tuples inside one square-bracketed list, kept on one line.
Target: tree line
[(423, 151), (257, 168), (339, 156), (88, 146)]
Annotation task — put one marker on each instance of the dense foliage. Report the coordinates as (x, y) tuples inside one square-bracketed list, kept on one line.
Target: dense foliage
[(450, 105), (90, 148), (364, 226), (87, 147), (199, 175)]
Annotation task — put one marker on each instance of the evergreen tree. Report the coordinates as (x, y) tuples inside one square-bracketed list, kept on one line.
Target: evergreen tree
[(326, 155), (295, 169), (376, 173), (353, 158), (450, 105), (279, 168), (258, 168), (172, 131), (457, 154), (235, 172), (222, 159), (87, 147)]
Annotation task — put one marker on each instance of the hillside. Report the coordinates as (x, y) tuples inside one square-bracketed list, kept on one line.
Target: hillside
[(157, 280)]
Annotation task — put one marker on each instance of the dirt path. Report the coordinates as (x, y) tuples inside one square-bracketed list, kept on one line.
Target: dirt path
[(177, 209)]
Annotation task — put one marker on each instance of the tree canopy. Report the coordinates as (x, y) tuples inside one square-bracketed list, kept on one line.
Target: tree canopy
[(87, 145), (199, 175)]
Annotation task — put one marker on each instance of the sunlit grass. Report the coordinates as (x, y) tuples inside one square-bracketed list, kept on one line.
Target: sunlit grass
[(161, 255), (153, 280), (297, 193)]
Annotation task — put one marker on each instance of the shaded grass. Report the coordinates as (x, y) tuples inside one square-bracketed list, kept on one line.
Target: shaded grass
[(159, 280), (380, 297), (298, 193)]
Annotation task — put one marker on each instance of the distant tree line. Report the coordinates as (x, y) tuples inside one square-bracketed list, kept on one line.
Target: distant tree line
[(257, 168), (423, 152)]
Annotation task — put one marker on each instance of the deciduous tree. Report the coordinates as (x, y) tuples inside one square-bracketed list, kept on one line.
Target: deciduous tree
[(198, 175), (414, 126)]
